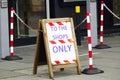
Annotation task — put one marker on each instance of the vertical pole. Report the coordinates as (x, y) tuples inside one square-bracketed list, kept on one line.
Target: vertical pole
[(48, 9), (12, 56), (101, 22), (91, 69), (101, 45), (89, 41), (12, 32)]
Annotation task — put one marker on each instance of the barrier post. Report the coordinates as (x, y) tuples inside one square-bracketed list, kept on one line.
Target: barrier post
[(101, 45), (91, 69), (12, 56)]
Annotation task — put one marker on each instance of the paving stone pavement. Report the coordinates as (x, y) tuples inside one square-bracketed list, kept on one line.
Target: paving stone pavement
[(107, 60)]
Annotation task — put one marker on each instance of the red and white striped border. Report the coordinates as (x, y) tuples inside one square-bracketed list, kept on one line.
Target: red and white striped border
[(61, 41), (53, 24), (58, 62), (89, 41)]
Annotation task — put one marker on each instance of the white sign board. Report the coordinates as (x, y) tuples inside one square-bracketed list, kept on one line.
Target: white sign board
[(61, 43)]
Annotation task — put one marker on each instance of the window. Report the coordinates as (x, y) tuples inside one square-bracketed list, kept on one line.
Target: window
[(30, 11), (116, 10)]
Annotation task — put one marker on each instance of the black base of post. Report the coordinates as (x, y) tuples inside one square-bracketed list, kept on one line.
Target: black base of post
[(93, 71), (10, 58), (102, 46)]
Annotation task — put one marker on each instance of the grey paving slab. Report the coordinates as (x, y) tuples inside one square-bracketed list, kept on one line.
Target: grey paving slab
[(25, 78), (108, 63), (110, 55), (113, 49), (26, 59), (82, 77), (1, 60), (68, 74), (57, 73), (8, 74), (25, 50), (41, 69), (12, 65), (111, 73)]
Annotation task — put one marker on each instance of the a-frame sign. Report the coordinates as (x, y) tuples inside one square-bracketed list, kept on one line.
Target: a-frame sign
[(56, 45)]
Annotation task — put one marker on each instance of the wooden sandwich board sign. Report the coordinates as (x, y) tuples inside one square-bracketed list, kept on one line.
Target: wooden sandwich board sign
[(59, 45)]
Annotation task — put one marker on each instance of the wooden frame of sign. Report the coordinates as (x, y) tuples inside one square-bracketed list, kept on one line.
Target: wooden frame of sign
[(40, 54), (60, 45)]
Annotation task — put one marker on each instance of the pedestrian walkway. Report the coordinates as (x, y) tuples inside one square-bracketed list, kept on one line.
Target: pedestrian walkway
[(107, 60)]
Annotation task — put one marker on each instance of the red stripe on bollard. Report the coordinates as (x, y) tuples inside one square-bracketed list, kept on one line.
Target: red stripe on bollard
[(91, 67), (11, 31), (101, 33), (11, 54), (88, 26), (89, 40), (101, 43), (101, 23), (11, 20), (11, 43), (90, 54), (11, 8), (102, 12)]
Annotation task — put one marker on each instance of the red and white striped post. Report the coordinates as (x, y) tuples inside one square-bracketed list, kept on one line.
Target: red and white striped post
[(89, 41), (101, 45), (12, 56), (12, 32), (91, 69), (101, 23)]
